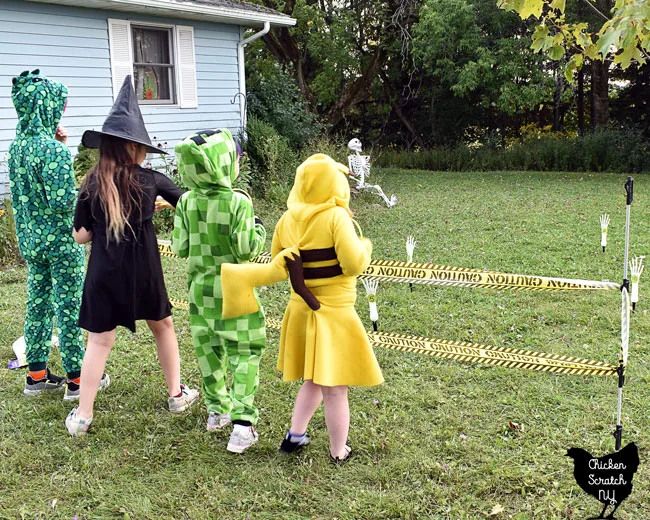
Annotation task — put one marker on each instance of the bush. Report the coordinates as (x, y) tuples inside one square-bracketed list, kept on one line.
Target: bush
[(273, 161), (163, 221), (620, 150), (9, 253), (336, 149), (274, 98), (85, 159)]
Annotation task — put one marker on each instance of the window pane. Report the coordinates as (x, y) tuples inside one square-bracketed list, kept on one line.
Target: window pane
[(151, 45), (153, 83)]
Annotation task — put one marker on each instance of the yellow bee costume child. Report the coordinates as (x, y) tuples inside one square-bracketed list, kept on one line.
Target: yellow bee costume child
[(322, 340), (328, 345)]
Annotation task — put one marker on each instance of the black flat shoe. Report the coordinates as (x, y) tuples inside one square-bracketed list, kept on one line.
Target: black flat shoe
[(339, 461)]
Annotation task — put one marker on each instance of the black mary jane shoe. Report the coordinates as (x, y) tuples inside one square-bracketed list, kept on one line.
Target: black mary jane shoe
[(339, 461)]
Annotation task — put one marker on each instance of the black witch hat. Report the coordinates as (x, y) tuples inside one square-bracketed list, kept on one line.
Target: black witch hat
[(124, 121)]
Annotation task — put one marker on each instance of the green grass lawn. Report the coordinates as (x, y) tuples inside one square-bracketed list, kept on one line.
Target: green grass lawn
[(432, 442)]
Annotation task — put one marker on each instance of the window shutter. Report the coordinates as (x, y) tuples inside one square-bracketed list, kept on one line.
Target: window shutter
[(119, 36), (187, 95)]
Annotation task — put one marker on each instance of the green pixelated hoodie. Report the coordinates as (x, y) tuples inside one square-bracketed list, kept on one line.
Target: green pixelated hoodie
[(41, 178), (213, 223)]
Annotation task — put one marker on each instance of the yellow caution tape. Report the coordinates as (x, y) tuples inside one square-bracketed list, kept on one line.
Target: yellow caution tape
[(491, 355), (473, 352), (444, 275)]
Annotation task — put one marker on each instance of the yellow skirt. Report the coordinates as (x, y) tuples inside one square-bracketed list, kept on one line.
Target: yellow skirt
[(329, 346)]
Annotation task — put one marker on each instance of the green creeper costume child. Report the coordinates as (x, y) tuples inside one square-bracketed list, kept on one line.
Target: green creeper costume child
[(214, 225), (43, 192)]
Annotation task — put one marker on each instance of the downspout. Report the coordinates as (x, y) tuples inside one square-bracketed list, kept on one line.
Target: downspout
[(242, 72)]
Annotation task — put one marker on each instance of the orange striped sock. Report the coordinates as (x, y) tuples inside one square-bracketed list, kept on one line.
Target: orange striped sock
[(37, 375), (76, 380)]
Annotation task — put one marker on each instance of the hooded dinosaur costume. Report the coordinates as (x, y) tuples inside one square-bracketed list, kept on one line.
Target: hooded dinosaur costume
[(213, 225), (322, 338), (43, 192)]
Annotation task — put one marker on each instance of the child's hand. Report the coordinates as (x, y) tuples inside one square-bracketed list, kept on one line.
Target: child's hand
[(161, 204), (61, 134)]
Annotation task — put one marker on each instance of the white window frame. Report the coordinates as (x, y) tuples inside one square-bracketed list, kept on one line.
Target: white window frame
[(184, 60), (171, 37)]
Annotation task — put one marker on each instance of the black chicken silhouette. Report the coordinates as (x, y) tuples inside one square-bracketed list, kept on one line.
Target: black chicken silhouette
[(607, 478)]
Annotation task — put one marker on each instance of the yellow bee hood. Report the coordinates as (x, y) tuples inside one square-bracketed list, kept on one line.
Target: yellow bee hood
[(321, 183)]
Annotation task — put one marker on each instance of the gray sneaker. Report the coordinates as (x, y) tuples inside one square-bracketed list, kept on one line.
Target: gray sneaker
[(182, 403), (241, 438), (72, 390), (217, 421), (50, 383)]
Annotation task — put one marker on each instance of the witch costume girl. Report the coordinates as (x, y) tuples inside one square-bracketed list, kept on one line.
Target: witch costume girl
[(124, 281)]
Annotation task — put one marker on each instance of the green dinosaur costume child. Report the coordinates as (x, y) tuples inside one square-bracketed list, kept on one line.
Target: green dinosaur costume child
[(43, 192), (214, 225)]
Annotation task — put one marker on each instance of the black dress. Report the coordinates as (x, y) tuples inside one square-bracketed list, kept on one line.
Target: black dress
[(124, 281)]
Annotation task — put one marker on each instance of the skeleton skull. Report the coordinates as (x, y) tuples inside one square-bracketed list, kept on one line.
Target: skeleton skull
[(355, 145)]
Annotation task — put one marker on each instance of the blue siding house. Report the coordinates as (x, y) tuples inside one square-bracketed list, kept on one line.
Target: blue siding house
[(186, 58)]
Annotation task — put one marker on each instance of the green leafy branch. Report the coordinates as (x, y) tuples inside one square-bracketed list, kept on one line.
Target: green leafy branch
[(624, 38)]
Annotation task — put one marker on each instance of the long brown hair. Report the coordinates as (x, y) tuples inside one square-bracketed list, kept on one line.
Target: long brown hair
[(115, 185)]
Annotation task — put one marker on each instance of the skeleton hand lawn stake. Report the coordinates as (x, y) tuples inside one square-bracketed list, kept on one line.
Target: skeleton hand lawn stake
[(410, 247), (371, 294), (636, 268), (604, 224), (360, 168)]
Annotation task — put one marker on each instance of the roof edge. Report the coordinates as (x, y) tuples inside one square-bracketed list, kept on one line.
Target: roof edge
[(202, 12)]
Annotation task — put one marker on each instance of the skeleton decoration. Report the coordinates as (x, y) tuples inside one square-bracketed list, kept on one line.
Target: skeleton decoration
[(636, 268), (371, 294), (410, 247), (360, 169), (604, 224)]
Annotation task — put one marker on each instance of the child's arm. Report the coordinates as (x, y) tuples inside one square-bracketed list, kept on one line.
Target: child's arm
[(248, 234), (82, 236), (352, 252), (82, 228), (181, 236), (167, 189)]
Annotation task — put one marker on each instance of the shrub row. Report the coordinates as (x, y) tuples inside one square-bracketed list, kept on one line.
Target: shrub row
[(621, 150)]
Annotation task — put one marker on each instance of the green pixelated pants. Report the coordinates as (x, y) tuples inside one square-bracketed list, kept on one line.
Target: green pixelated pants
[(54, 287), (234, 345)]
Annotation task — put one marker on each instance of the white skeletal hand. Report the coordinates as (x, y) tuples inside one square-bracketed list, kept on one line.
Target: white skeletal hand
[(604, 222), (410, 247), (636, 267), (370, 285)]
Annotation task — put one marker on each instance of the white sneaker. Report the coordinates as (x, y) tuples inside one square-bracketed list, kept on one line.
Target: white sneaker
[(182, 403), (241, 438), (76, 425), (216, 421)]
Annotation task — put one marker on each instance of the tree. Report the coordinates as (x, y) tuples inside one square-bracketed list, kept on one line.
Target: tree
[(482, 54), (337, 48), (623, 39)]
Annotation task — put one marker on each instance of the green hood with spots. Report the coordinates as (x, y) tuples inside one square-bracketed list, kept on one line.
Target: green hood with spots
[(41, 178), (207, 160), (39, 103)]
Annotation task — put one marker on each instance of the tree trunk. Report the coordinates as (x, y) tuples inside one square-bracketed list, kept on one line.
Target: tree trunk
[(408, 124), (581, 102), (599, 94), (357, 90), (557, 98)]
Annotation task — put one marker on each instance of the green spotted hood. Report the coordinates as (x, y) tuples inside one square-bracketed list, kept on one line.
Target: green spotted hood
[(39, 103), (207, 160)]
